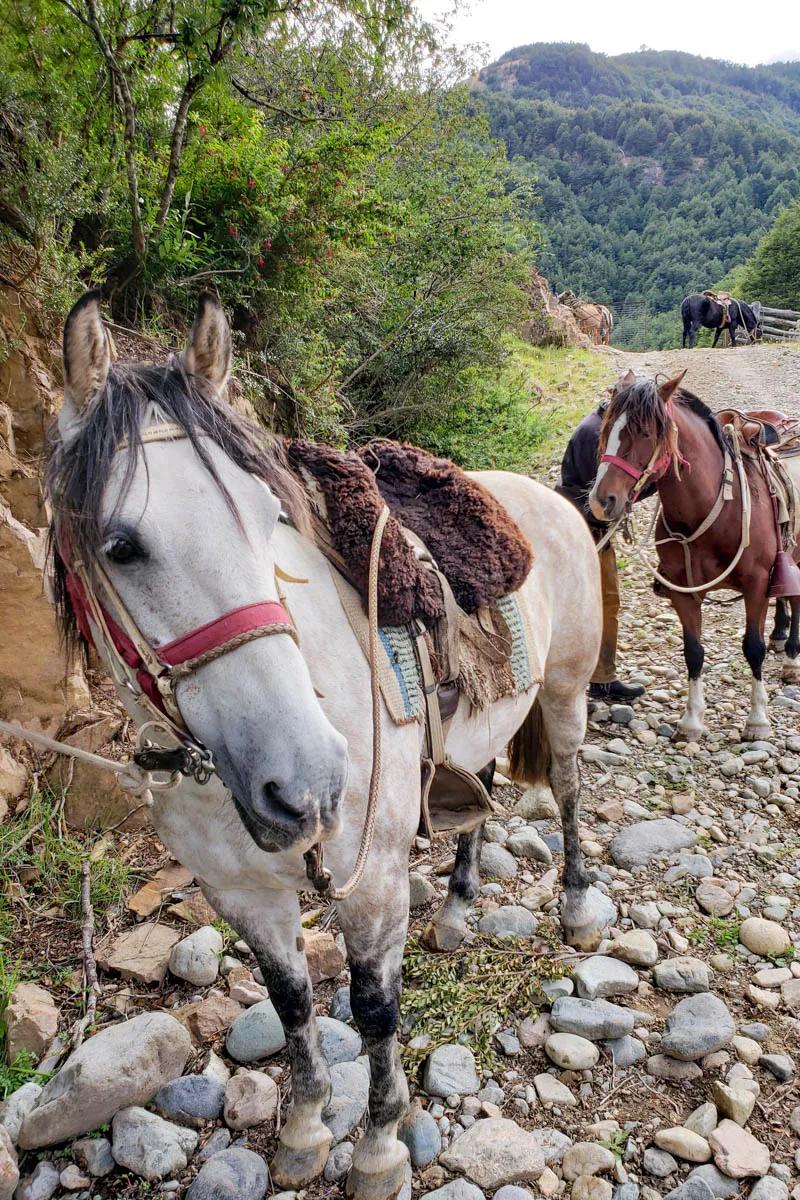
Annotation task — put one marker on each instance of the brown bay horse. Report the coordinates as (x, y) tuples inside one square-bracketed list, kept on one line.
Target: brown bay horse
[(663, 435)]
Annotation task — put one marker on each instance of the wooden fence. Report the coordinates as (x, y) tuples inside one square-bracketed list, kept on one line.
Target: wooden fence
[(779, 324)]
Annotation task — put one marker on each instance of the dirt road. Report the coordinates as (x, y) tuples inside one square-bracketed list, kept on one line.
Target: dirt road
[(765, 376)]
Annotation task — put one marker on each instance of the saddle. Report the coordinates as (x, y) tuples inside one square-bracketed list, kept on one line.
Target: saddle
[(450, 553), (768, 438), (762, 427)]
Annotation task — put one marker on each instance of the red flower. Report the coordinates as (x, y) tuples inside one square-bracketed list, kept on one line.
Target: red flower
[(267, 244), (232, 230), (251, 183), (261, 262), (202, 130)]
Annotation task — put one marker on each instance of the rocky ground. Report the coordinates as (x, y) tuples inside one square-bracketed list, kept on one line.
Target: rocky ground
[(663, 1064)]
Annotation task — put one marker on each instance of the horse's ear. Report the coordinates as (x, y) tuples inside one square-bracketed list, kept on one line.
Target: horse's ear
[(208, 351), (667, 390), (625, 381), (88, 354)]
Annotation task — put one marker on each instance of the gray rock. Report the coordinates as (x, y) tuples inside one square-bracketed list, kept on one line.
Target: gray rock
[(94, 1155), (769, 1188), (420, 890), (684, 974), (756, 1030), (191, 1100), (219, 1140), (553, 1143), (196, 957), (512, 920), (16, 1107), (256, 1034), (510, 1191), (340, 1008), (457, 1189), (626, 1051), (693, 1189), (43, 1183), (450, 1071), (526, 843), (637, 845), (597, 1020), (337, 1041), (338, 1162), (349, 1096), (626, 1191), (697, 1026), (146, 1052), (493, 1152), (779, 1065), (691, 866), (150, 1146), (496, 862), (661, 1066), (722, 1186), (421, 1134), (234, 1174), (659, 1163), (598, 977)]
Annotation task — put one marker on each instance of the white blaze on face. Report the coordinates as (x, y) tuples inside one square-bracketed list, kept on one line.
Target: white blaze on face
[(614, 439)]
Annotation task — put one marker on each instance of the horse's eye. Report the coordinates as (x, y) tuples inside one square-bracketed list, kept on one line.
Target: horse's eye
[(122, 549)]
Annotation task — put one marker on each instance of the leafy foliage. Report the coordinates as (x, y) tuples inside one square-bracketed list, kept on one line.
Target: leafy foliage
[(475, 992), (772, 273), (658, 172)]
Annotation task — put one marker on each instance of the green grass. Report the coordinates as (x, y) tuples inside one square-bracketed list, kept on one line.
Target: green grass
[(722, 931), (563, 385), (23, 1069), (617, 1142)]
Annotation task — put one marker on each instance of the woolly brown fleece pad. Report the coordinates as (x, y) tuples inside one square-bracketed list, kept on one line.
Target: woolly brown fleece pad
[(474, 541)]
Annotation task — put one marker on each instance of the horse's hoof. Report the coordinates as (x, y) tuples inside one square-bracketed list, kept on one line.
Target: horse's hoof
[(778, 645), (293, 1167), (377, 1185), (756, 732), (790, 671), (586, 916), (442, 937), (689, 733)]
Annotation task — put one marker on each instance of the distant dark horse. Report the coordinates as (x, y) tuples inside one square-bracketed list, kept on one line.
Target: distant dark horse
[(700, 310)]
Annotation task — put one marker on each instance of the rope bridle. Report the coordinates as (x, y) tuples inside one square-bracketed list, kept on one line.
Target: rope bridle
[(150, 674)]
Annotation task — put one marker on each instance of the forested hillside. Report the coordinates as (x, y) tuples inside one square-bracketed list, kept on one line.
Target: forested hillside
[(772, 275), (658, 171)]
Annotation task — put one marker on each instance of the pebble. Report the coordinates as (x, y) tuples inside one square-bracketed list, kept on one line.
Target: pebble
[(150, 1146), (338, 1162), (196, 957), (94, 1154), (697, 1026), (73, 1179), (494, 1152), (768, 939), (340, 1008), (512, 920), (457, 1189), (779, 1065), (683, 1143), (734, 1103), (257, 1033), (596, 1020), (636, 947), (15, 1108), (599, 977), (702, 1119), (233, 1174), (349, 1096), (571, 1053), (421, 1134), (769, 1188), (450, 1069), (337, 1041), (420, 891), (191, 1100), (552, 1091), (590, 1187), (626, 1051), (526, 843), (683, 974), (586, 1158), (44, 1181), (496, 862), (219, 1140), (662, 1066), (714, 899), (693, 1189), (637, 845), (251, 1098), (737, 1153), (658, 1163), (645, 914), (721, 1186)]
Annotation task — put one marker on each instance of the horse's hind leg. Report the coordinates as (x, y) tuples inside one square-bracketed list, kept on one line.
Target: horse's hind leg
[(755, 650), (374, 922), (271, 926), (586, 912), (691, 725), (448, 926), (790, 669), (780, 628)]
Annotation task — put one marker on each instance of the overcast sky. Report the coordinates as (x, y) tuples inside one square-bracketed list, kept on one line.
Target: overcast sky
[(738, 30)]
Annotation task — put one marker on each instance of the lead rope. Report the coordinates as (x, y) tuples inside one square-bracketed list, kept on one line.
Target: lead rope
[(319, 875)]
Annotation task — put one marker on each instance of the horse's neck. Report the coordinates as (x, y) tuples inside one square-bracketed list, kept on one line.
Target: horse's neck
[(687, 501)]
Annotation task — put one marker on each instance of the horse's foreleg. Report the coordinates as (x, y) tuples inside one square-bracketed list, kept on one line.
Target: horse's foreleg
[(448, 926), (691, 724), (754, 649), (374, 923), (271, 926), (790, 670), (586, 912), (717, 335), (780, 628)]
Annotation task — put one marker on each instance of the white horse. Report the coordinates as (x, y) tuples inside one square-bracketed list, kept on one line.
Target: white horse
[(187, 529)]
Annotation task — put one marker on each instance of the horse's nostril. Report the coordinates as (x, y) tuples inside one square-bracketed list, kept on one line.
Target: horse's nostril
[(281, 804), (610, 503)]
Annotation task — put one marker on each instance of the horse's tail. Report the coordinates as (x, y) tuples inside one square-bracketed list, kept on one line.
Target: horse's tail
[(529, 749)]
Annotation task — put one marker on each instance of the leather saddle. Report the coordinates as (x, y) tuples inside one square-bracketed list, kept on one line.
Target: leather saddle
[(759, 427)]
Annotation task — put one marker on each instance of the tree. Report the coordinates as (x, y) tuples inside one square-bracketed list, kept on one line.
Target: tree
[(772, 274)]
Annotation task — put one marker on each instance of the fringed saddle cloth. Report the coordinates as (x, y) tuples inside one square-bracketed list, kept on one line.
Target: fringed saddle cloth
[(451, 624)]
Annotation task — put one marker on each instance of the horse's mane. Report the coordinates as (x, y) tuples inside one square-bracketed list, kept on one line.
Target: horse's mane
[(77, 472), (649, 416)]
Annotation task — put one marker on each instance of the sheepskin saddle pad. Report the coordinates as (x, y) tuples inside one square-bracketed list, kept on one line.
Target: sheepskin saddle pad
[(478, 548)]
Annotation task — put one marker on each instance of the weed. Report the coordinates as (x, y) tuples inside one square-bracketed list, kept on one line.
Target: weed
[(470, 995), (617, 1142), (723, 932), (23, 1068)]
